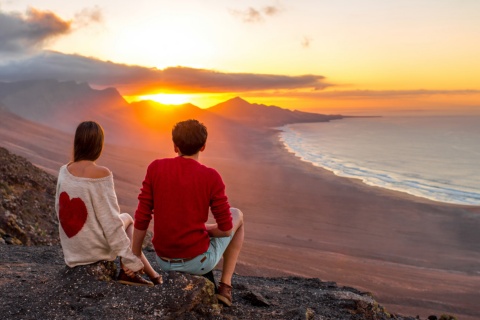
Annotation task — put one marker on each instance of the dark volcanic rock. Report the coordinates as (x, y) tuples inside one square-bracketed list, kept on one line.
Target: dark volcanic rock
[(27, 202), (35, 284)]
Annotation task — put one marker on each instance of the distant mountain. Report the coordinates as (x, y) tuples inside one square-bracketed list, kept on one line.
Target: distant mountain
[(262, 115), (62, 105), (59, 104)]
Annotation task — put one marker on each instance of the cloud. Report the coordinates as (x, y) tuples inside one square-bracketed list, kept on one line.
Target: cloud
[(87, 16), (364, 94), (252, 15), (393, 93), (306, 41), (29, 32), (137, 80), (271, 10)]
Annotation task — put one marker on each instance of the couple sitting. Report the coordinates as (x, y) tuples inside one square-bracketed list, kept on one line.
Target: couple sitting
[(177, 192)]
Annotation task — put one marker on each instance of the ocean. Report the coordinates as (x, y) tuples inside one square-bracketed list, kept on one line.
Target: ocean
[(432, 157)]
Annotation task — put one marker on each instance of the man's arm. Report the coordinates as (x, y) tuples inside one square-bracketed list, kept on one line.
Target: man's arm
[(137, 241), (143, 214), (220, 209), (214, 232)]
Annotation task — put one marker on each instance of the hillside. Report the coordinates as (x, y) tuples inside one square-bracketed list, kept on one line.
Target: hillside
[(58, 104), (27, 212)]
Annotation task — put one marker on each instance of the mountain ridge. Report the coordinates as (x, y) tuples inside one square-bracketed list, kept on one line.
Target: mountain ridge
[(39, 100)]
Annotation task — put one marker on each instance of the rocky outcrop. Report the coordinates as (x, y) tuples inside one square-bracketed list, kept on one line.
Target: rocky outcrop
[(36, 284), (27, 202)]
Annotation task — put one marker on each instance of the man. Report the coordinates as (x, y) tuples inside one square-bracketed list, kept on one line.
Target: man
[(179, 192)]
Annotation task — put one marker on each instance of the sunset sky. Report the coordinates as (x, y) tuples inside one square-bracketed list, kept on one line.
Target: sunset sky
[(355, 56)]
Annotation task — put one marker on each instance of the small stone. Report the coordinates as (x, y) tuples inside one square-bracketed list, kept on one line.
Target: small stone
[(309, 314), (17, 242), (8, 239), (256, 299)]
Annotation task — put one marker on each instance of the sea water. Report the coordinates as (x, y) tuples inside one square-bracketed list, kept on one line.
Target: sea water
[(432, 157)]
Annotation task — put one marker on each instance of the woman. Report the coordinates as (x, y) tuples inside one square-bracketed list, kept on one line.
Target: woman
[(92, 229)]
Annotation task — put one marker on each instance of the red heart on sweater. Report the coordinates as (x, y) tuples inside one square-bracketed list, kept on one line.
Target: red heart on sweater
[(72, 214)]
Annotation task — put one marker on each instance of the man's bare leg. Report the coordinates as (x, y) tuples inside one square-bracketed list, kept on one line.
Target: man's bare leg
[(230, 256)]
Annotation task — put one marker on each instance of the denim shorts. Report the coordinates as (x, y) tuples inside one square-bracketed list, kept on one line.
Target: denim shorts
[(202, 263)]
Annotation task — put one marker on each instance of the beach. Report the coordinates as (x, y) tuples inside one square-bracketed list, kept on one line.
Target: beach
[(416, 256)]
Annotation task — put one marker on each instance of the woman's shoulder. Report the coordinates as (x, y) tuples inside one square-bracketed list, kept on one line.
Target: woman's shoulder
[(97, 172), (91, 172)]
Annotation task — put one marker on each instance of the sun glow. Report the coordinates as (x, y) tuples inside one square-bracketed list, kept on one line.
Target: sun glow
[(165, 98)]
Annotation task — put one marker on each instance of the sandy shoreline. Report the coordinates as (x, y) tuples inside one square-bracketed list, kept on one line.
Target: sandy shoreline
[(417, 256)]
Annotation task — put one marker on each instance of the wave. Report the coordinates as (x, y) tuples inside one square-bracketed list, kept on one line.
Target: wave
[(437, 190)]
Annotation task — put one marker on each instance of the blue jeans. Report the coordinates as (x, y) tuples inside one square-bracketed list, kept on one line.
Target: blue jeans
[(202, 263)]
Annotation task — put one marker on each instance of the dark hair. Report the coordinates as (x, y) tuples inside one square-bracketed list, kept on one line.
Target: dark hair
[(189, 136), (88, 142)]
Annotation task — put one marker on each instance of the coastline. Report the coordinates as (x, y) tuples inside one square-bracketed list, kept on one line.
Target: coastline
[(422, 170), (396, 245)]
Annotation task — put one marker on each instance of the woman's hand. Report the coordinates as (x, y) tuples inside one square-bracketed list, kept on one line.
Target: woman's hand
[(131, 273)]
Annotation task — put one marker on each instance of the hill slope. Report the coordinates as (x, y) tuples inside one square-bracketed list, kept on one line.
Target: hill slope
[(27, 212)]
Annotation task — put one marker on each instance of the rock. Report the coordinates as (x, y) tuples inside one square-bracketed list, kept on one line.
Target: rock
[(300, 314), (256, 299), (183, 293), (100, 271), (447, 317), (309, 314)]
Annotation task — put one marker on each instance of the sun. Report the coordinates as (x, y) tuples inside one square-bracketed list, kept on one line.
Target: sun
[(166, 98)]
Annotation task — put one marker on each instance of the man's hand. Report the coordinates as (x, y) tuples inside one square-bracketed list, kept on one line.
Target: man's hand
[(214, 232)]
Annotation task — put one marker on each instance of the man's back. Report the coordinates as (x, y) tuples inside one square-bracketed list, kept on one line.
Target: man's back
[(180, 192)]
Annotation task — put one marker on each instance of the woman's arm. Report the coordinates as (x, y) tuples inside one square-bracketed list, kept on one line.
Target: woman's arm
[(108, 214)]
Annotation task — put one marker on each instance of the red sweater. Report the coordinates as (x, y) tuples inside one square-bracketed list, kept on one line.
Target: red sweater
[(178, 192)]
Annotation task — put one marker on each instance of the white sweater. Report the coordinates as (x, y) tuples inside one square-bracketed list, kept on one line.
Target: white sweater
[(90, 226)]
